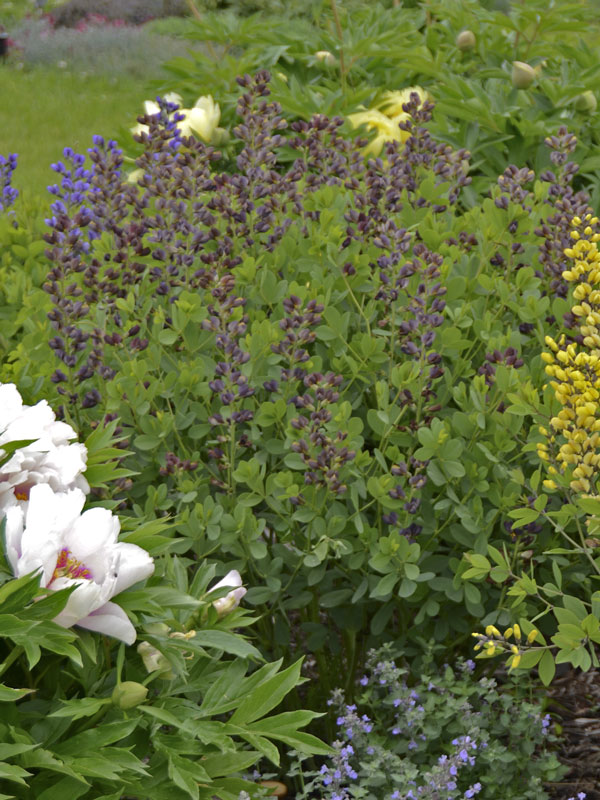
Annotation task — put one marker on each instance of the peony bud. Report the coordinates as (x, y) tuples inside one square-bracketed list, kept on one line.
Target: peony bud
[(155, 661), (232, 600), (129, 694), (522, 75), (586, 102), (465, 41), (157, 628), (326, 57)]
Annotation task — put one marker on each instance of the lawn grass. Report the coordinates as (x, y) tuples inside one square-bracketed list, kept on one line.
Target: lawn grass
[(44, 109)]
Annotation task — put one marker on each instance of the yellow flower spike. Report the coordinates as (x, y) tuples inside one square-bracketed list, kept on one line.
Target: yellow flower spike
[(476, 647), (517, 632), (548, 484), (575, 235), (516, 660), (531, 636), (514, 649), (492, 631), (508, 633)]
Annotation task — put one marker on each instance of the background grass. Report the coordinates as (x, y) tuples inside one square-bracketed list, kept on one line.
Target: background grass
[(43, 110)]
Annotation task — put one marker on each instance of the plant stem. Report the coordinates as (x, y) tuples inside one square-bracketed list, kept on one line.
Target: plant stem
[(340, 33), (12, 657)]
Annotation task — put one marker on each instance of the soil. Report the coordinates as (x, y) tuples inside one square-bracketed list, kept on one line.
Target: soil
[(575, 705)]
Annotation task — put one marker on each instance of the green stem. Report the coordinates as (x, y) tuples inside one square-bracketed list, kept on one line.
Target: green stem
[(340, 33), (12, 657)]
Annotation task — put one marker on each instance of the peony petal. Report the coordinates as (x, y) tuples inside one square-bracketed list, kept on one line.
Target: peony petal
[(212, 110), (49, 515), (65, 463), (151, 108), (111, 620), (87, 598), (11, 405), (173, 97), (135, 565), (95, 530), (197, 121), (233, 579), (13, 534)]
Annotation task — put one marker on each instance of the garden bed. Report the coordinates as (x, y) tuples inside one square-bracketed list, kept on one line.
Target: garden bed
[(300, 378)]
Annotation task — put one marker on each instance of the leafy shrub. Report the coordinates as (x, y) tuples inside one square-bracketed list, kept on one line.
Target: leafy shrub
[(132, 12), (310, 362), (96, 718), (444, 735)]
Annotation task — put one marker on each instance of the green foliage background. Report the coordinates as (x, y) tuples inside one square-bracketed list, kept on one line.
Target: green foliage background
[(330, 576)]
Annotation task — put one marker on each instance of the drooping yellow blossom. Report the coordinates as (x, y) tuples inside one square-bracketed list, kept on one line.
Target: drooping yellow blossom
[(386, 117), (392, 102), (387, 129)]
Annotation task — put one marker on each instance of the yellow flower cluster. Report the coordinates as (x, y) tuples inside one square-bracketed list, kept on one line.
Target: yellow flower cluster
[(575, 370), (493, 642)]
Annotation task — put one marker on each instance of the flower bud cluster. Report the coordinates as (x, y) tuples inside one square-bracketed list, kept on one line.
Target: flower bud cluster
[(8, 194), (509, 357), (573, 442), (566, 203), (298, 326), (320, 446), (230, 385), (413, 480), (174, 464), (492, 643)]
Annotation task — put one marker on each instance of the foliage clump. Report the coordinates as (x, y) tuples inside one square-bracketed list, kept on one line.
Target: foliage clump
[(441, 734)]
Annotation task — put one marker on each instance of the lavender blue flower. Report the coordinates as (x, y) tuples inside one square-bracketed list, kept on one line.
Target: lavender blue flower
[(8, 194)]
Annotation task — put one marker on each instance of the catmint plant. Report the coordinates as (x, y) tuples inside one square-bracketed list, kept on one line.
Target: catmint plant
[(442, 734)]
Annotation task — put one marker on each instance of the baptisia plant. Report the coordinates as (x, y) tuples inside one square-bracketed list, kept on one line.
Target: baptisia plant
[(46, 455), (73, 549)]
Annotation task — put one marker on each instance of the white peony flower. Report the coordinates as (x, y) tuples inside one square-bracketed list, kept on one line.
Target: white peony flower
[(151, 108), (232, 600), (50, 459), (200, 121), (69, 548)]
